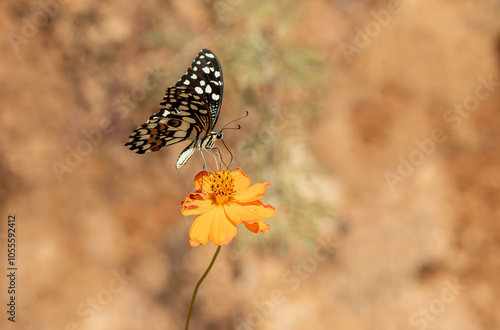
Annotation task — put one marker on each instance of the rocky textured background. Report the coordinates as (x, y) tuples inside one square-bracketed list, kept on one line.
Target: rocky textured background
[(375, 121)]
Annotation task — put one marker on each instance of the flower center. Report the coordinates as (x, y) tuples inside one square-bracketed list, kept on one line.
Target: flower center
[(222, 183)]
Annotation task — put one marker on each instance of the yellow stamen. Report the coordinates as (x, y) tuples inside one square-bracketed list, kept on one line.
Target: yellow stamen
[(222, 184)]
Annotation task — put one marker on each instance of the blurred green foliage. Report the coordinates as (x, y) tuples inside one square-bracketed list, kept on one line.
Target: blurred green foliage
[(277, 79)]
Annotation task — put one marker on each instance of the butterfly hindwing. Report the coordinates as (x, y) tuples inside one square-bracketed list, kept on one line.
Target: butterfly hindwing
[(150, 137), (184, 116)]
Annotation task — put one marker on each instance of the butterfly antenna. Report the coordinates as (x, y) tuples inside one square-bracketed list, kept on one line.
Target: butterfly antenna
[(232, 121)]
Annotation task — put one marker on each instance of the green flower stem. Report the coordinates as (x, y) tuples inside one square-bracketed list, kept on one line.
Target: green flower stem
[(199, 283)]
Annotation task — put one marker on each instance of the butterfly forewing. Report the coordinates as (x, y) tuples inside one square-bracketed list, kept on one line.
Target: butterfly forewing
[(204, 76), (189, 111)]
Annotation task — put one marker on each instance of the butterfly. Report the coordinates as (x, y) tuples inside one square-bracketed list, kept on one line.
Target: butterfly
[(189, 111)]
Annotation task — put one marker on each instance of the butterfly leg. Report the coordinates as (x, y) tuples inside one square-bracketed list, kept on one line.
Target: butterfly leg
[(205, 165), (218, 156), (215, 152), (202, 174)]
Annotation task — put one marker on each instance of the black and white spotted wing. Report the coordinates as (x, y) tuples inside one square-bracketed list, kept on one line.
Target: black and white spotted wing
[(189, 111), (185, 116), (204, 76)]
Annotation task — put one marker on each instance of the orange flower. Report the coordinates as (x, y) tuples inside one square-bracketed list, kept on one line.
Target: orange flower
[(222, 200)]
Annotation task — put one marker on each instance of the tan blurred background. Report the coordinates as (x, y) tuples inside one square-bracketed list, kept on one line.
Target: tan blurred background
[(377, 123)]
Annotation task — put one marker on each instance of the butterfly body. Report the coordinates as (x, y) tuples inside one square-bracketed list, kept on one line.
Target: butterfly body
[(189, 111)]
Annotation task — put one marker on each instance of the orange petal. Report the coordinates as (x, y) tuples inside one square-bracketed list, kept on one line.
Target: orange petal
[(222, 230), (196, 203), (241, 180), (263, 210), (258, 227), (213, 225), (238, 214), (198, 234), (201, 182), (251, 194)]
